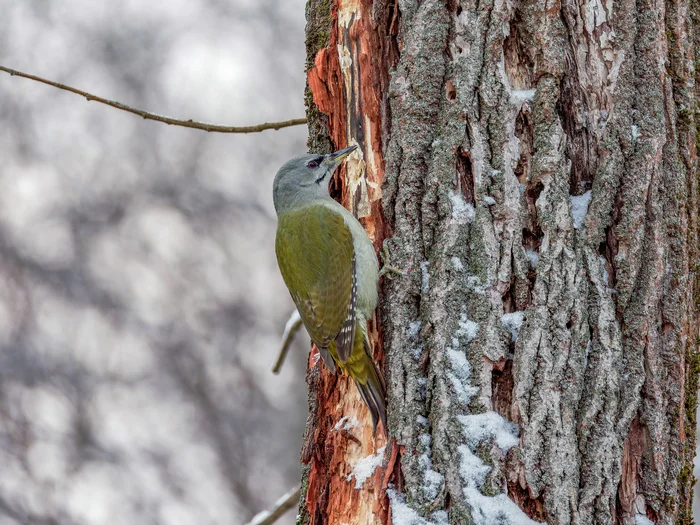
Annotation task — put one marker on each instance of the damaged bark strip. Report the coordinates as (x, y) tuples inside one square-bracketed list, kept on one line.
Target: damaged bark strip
[(347, 71), (347, 79), (536, 168)]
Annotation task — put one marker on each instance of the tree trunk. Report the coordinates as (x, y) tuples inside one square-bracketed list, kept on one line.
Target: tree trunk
[(532, 167)]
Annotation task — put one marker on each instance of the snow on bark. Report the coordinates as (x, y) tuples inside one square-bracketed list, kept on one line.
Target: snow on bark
[(489, 426), (403, 514), (461, 211), (365, 467), (513, 321), (533, 257), (456, 222), (579, 208)]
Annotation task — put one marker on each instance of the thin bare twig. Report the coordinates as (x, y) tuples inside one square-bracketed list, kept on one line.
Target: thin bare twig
[(282, 505), (290, 330), (160, 118)]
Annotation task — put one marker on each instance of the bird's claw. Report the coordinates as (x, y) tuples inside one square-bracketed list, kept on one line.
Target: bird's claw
[(387, 269)]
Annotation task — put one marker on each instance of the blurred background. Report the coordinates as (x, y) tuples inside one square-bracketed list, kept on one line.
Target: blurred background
[(140, 304)]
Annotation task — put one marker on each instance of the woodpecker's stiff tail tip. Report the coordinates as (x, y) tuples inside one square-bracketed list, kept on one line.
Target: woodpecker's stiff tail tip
[(373, 394)]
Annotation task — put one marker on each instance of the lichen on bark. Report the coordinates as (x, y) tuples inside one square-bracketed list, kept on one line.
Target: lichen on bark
[(607, 307)]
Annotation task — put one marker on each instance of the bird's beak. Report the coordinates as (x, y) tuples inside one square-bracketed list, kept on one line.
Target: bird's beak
[(337, 157)]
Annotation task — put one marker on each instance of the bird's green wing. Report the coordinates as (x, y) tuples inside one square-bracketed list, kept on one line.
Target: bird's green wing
[(316, 258)]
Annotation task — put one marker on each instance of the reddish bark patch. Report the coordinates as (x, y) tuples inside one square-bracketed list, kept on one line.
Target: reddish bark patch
[(502, 384), (524, 132), (326, 83), (351, 92), (466, 175), (342, 434), (520, 494), (631, 469), (392, 474)]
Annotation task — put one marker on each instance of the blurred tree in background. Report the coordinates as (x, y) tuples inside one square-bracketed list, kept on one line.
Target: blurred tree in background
[(140, 304)]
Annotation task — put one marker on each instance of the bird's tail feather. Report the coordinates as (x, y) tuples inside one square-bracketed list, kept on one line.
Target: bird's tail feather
[(372, 388)]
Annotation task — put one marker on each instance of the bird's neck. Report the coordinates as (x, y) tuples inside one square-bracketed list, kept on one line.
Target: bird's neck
[(294, 201)]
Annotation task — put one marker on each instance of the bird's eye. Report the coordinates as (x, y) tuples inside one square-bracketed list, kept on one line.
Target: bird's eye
[(312, 164)]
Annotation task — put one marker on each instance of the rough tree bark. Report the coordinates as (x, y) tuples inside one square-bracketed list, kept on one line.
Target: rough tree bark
[(532, 167)]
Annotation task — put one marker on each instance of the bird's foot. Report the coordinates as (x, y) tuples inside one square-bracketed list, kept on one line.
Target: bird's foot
[(387, 268)]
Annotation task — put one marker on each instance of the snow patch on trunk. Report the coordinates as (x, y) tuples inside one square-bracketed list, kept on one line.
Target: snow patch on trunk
[(533, 257), (489, 426), (462, 212), (579, 208), (480, 429), (413, 328), (425, 276), (513, 322), (346, 423), (517, 96), (460, 371), (635, 132), (487, 510), (402, 514), (467, 330), (432, 481), (460, 375), (365, 467)]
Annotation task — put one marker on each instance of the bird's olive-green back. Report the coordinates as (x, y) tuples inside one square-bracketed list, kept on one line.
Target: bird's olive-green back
[(316, 258)]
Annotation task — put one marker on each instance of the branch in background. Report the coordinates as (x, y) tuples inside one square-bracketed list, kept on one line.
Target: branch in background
[(160, 118), (282, 505), (290, 330)]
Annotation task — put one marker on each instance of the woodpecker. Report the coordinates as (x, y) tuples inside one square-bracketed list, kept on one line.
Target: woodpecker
[(330, 267)]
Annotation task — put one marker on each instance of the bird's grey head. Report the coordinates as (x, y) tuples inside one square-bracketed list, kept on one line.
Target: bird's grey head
[(306, 177)]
